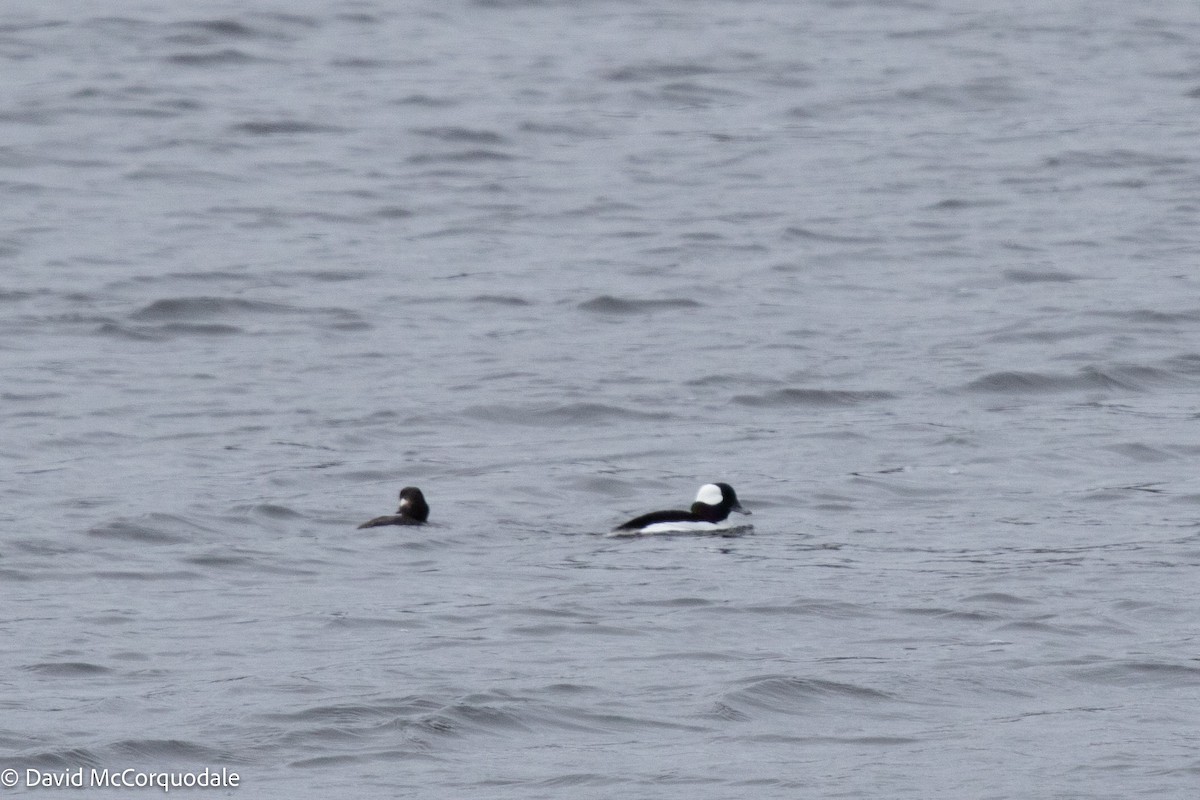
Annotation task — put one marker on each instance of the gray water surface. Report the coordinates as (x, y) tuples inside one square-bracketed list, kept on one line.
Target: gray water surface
[(918, 279)]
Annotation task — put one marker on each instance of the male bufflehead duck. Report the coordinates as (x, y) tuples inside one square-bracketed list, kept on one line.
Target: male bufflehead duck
[(413, 510), (713, 503)]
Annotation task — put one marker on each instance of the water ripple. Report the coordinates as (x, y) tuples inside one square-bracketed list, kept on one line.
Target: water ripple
[(811, 397), (607, 304)]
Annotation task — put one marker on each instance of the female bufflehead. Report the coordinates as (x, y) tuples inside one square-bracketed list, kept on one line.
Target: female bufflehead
[(713, 503), (413, 510)]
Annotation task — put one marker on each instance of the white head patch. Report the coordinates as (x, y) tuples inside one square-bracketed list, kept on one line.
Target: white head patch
[(710, 495)]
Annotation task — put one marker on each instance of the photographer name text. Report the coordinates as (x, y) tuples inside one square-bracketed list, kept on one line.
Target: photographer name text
[(132, 778)]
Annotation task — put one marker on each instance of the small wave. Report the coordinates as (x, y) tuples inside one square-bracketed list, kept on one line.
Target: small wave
[(729, 379), (224, 560), (151, 529), (658, 70), (870, 741), (276, 511), (696, 655), (720, 711), (939, 612), (278, 27), (460, 156), (417, 719), (972, 95), (367, 623), (830, 610), (1131, 378), (582, 779), (428, 101), (134, 532), (481, 718), (454, 134), (1184, 364), (67, 669), (1139, 673), (29, 397), (789, 694), (1119, 158), (389, 756), (574, 132), (691, 93), (216, 57), (383, 212), (174, 750), (284, 127), (353, 713), (327, 762), (176, 308), (198, 329), (32, 25), (1039, 276), (998, 597), (220, 28), (132, 333), (1137, 451), (811, 397), (604, 485), (361, 63), (60, 759), (500, 300), (958, 204), (569, 414), (1022, 332), (510, 4), (150, 575), (607, 304), (796, 232), (334, 275), (213, 316), (1152, 316)]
